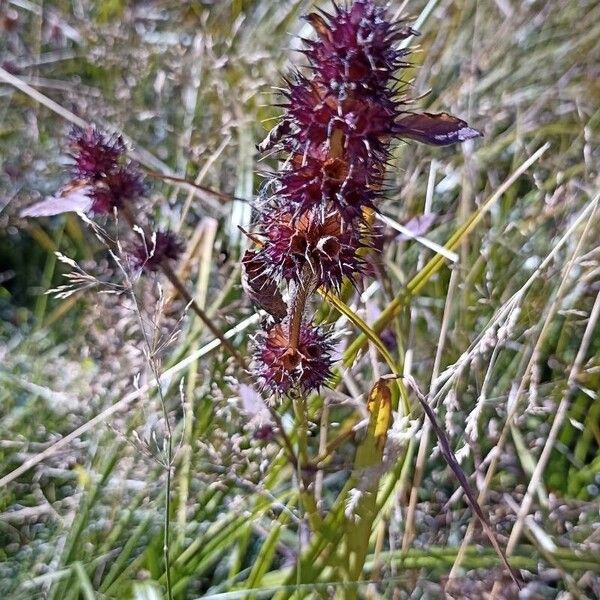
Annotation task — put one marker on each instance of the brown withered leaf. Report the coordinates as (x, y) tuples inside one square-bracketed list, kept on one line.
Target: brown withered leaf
[(320, 26), (439, 129), (261, 289), (275, 135), (379, 406)]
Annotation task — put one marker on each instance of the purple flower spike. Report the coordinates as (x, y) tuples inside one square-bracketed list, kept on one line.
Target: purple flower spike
[(95, 154), (117, 187), (340, 117)]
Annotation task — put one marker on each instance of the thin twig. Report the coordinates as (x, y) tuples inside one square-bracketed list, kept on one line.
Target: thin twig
[(122, 404), (169, 436), (449, 457)]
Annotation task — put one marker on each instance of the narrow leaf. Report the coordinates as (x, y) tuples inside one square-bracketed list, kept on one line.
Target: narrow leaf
[(261, 289), (361, 508)]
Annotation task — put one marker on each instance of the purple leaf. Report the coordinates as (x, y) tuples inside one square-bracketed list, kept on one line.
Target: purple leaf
[(418, 225), (75, 197), (253, 405), (438, 129)]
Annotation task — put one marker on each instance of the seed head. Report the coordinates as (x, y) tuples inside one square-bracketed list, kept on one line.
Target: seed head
[(316, 179), (355, 46), (321, 241), (122, 185), (280, 368)]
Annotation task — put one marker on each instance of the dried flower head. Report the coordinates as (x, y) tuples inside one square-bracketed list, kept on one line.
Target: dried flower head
[(124, 184), (102, 177), (315, 178), (150, 254), (341, 119), (357, 44), (280, 367)]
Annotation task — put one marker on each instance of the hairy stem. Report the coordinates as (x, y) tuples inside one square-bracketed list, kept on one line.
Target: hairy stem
[(299, 295), (306, 495)]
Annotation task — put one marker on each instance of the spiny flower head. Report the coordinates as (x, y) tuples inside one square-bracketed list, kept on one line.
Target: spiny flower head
[(316, 178), (115, 188), (102, 177), (356, 45), (95, 154), (317, 240), (339, 121), (100, 162), (340, 116), (281, 367), (150, 254)]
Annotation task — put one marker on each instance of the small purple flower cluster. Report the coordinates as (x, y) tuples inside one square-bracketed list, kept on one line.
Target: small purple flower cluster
[(103, 179), (335, 135), (162, 247)]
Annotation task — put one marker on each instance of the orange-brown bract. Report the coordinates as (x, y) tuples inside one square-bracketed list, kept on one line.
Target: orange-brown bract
[(324, 243)]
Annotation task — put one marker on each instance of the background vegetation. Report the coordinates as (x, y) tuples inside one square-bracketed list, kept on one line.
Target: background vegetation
[(504, 337)]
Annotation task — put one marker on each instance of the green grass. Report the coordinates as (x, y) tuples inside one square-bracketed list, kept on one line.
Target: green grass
[(505, 340)]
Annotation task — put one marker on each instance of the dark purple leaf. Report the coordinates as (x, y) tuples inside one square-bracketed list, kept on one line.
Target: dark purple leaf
[(438, 129), (450, 458)]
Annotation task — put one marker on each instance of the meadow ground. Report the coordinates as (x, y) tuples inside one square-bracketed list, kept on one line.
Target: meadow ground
[(500, 334)]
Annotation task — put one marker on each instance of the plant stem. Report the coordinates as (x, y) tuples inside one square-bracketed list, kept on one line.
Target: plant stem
[(185, 294), (169, 464), (169, 436), (299, 295), (167, 523), (308, 501), (182, 290)]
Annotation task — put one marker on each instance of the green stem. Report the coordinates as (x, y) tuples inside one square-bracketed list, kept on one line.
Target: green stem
[(167, 521), (306, 496)]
